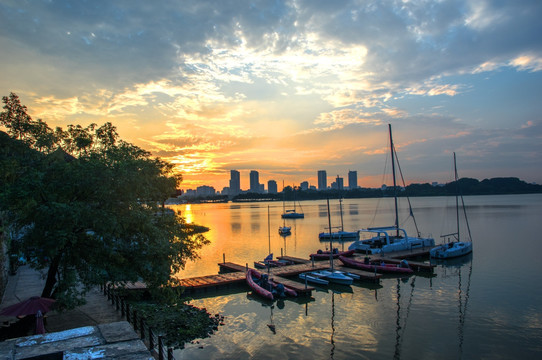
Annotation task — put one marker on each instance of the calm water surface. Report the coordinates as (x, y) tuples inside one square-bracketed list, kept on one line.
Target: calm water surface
[(484, 306)]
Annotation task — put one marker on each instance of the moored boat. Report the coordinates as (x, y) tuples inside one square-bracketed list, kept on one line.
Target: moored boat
[(333, 276), (272, 263), (285, 230), (380, 268), (325, 255), (339, 235), (451, 250), (266, 287), (377, 240), (457, 247), (313, 279)]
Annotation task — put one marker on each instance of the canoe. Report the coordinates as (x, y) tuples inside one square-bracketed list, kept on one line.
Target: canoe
[(271, 291), (382, 268), (324, 255)]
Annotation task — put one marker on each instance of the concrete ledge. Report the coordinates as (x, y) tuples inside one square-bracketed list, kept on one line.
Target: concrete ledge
[(107, 341)]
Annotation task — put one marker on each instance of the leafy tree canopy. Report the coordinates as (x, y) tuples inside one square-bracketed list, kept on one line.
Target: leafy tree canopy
[(89, 207)]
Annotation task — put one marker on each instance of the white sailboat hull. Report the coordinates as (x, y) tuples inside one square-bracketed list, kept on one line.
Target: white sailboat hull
[(451, 250), (383, 242)]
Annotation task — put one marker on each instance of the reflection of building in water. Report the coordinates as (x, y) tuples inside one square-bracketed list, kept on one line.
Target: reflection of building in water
[(235, 227), (353, 209)]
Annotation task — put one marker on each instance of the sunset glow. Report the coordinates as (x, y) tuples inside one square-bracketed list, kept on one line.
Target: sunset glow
[(288, 88)]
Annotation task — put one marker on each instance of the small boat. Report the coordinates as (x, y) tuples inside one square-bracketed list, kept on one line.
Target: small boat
[(339, 235), (401, 268), (457, 247), (269, 262), (285, 230), (272, 263), (334, 276), (325, 255), (379, 240), (266, 287), (313, 279), (292, 213)]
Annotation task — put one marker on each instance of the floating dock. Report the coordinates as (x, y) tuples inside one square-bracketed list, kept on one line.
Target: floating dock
[(234, 274)]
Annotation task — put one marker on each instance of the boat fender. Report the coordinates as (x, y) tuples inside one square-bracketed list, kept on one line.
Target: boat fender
[(404, 264), (319, 251), (335, 251)]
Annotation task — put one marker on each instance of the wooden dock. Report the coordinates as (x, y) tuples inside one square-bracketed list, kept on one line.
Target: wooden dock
[(234, 274)]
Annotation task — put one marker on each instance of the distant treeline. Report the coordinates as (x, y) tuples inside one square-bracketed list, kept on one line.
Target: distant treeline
[(465, 186)]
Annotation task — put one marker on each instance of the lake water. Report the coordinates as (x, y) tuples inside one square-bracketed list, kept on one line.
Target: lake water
[(484, 306)]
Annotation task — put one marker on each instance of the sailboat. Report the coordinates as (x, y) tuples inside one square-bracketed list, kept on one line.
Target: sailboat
[(332, 275), (339, 235), (284, 230), (378, 240), (457, 247), (292, 214)]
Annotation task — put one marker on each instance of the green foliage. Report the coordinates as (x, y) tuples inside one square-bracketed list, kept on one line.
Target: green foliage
[(179, 323), (91, 207)]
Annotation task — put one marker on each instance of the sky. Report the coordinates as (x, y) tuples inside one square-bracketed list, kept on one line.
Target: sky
[(288, 88)]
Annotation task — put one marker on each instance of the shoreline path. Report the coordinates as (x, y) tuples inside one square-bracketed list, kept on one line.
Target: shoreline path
[(28, 282)]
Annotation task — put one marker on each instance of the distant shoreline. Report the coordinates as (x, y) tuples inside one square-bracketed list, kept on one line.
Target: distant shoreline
[(466, 186)]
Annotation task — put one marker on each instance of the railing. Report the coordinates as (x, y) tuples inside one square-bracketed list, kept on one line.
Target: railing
[(155, 343)]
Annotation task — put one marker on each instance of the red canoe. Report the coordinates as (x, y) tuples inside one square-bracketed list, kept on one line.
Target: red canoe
[(324, 255), (383, 268), (268, 294)]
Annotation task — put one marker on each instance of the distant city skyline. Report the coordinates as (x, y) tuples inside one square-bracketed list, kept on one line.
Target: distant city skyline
[(254, 184)]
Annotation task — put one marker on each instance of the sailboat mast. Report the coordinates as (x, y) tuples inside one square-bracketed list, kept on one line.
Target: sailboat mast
[(283, 204), (340, 203), (330, 237), (268, 229), (394, 181), (341, 208), (456, 199)]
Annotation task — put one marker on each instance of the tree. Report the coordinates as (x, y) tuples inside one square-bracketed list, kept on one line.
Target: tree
[(91, 210)]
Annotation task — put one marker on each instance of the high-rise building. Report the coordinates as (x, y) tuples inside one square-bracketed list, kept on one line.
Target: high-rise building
[(338, 184), (322, 180), (254, 181), (352, 180), (235, 183), (272, 187), (205, 190)]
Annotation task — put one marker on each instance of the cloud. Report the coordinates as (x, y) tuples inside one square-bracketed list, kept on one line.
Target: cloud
[(216, 84)]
